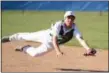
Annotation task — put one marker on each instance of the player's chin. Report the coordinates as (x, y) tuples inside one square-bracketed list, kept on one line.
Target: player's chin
[(69, 24)]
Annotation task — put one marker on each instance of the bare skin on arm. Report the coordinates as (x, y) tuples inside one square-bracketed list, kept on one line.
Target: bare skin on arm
[(56, 46)]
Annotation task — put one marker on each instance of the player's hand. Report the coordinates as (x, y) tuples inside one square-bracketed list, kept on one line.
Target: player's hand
[(58, 54), (90, 52)]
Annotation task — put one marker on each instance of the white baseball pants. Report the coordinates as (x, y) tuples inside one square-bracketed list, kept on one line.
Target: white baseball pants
[(40, 36)]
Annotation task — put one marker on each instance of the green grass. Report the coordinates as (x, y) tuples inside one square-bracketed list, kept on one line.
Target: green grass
[(93, 26)]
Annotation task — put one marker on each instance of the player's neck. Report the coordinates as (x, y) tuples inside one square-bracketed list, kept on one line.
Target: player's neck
[(68, 27)]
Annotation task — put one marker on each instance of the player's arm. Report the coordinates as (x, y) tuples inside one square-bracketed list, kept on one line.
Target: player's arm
[(89, 51), (83, 43), (56, 46), (55, 31)]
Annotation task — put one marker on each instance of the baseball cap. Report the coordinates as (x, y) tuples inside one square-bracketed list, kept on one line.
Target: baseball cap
[(69, 13)]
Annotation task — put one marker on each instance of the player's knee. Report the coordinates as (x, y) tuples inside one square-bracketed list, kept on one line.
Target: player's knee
[(32, 55), (39, 53)]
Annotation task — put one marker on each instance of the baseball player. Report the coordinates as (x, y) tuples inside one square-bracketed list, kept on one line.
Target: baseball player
[(59, 33)]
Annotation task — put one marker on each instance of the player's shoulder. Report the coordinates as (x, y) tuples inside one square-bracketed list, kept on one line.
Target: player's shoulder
[(57, 23), (60, 22)]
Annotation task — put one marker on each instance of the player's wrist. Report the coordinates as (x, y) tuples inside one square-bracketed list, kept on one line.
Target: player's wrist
[(59, 53)]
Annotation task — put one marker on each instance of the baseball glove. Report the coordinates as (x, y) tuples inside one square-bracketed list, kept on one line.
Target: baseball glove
[(91, 53)]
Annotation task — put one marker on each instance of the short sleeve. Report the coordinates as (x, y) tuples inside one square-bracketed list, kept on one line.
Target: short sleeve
[(55, 28), (77, 32)]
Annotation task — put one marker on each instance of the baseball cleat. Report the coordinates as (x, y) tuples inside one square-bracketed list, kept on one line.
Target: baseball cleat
[(20, 49), (5, 39)]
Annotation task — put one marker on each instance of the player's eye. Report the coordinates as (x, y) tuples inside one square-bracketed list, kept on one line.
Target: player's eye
[(71, 17)]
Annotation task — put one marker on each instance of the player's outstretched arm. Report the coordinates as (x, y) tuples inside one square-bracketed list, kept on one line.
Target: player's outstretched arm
[(89, 51)]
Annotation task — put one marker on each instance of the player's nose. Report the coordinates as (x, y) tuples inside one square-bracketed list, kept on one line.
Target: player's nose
[(70, 20)]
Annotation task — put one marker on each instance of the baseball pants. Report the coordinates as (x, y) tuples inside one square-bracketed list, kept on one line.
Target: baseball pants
[(41, 36)]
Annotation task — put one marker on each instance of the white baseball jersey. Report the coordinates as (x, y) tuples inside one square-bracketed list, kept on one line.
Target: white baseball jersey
[(59, 29)]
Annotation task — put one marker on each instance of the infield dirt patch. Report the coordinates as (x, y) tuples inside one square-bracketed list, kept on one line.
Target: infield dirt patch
[(72, 60)]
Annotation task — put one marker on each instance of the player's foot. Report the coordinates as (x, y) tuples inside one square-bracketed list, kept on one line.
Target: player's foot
[(5, 39), (20, 49)]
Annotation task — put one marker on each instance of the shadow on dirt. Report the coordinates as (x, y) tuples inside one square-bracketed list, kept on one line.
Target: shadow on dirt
[(64, 69)]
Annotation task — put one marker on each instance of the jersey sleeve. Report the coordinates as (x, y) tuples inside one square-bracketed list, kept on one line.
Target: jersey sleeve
[(55, 28), (77, 32)]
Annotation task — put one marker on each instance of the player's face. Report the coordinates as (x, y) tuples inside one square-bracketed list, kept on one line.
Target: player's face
[(69, 21)]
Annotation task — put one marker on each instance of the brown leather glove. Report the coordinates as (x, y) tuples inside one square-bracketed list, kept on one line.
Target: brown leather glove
[(91, 53)]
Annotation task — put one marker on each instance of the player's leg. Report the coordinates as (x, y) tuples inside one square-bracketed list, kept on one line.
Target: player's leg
[(46, 45), (32, 51), (35, 36), (17, 36)]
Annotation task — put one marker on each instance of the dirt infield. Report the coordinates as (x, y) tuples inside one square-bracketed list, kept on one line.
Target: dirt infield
[(73, 60)]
